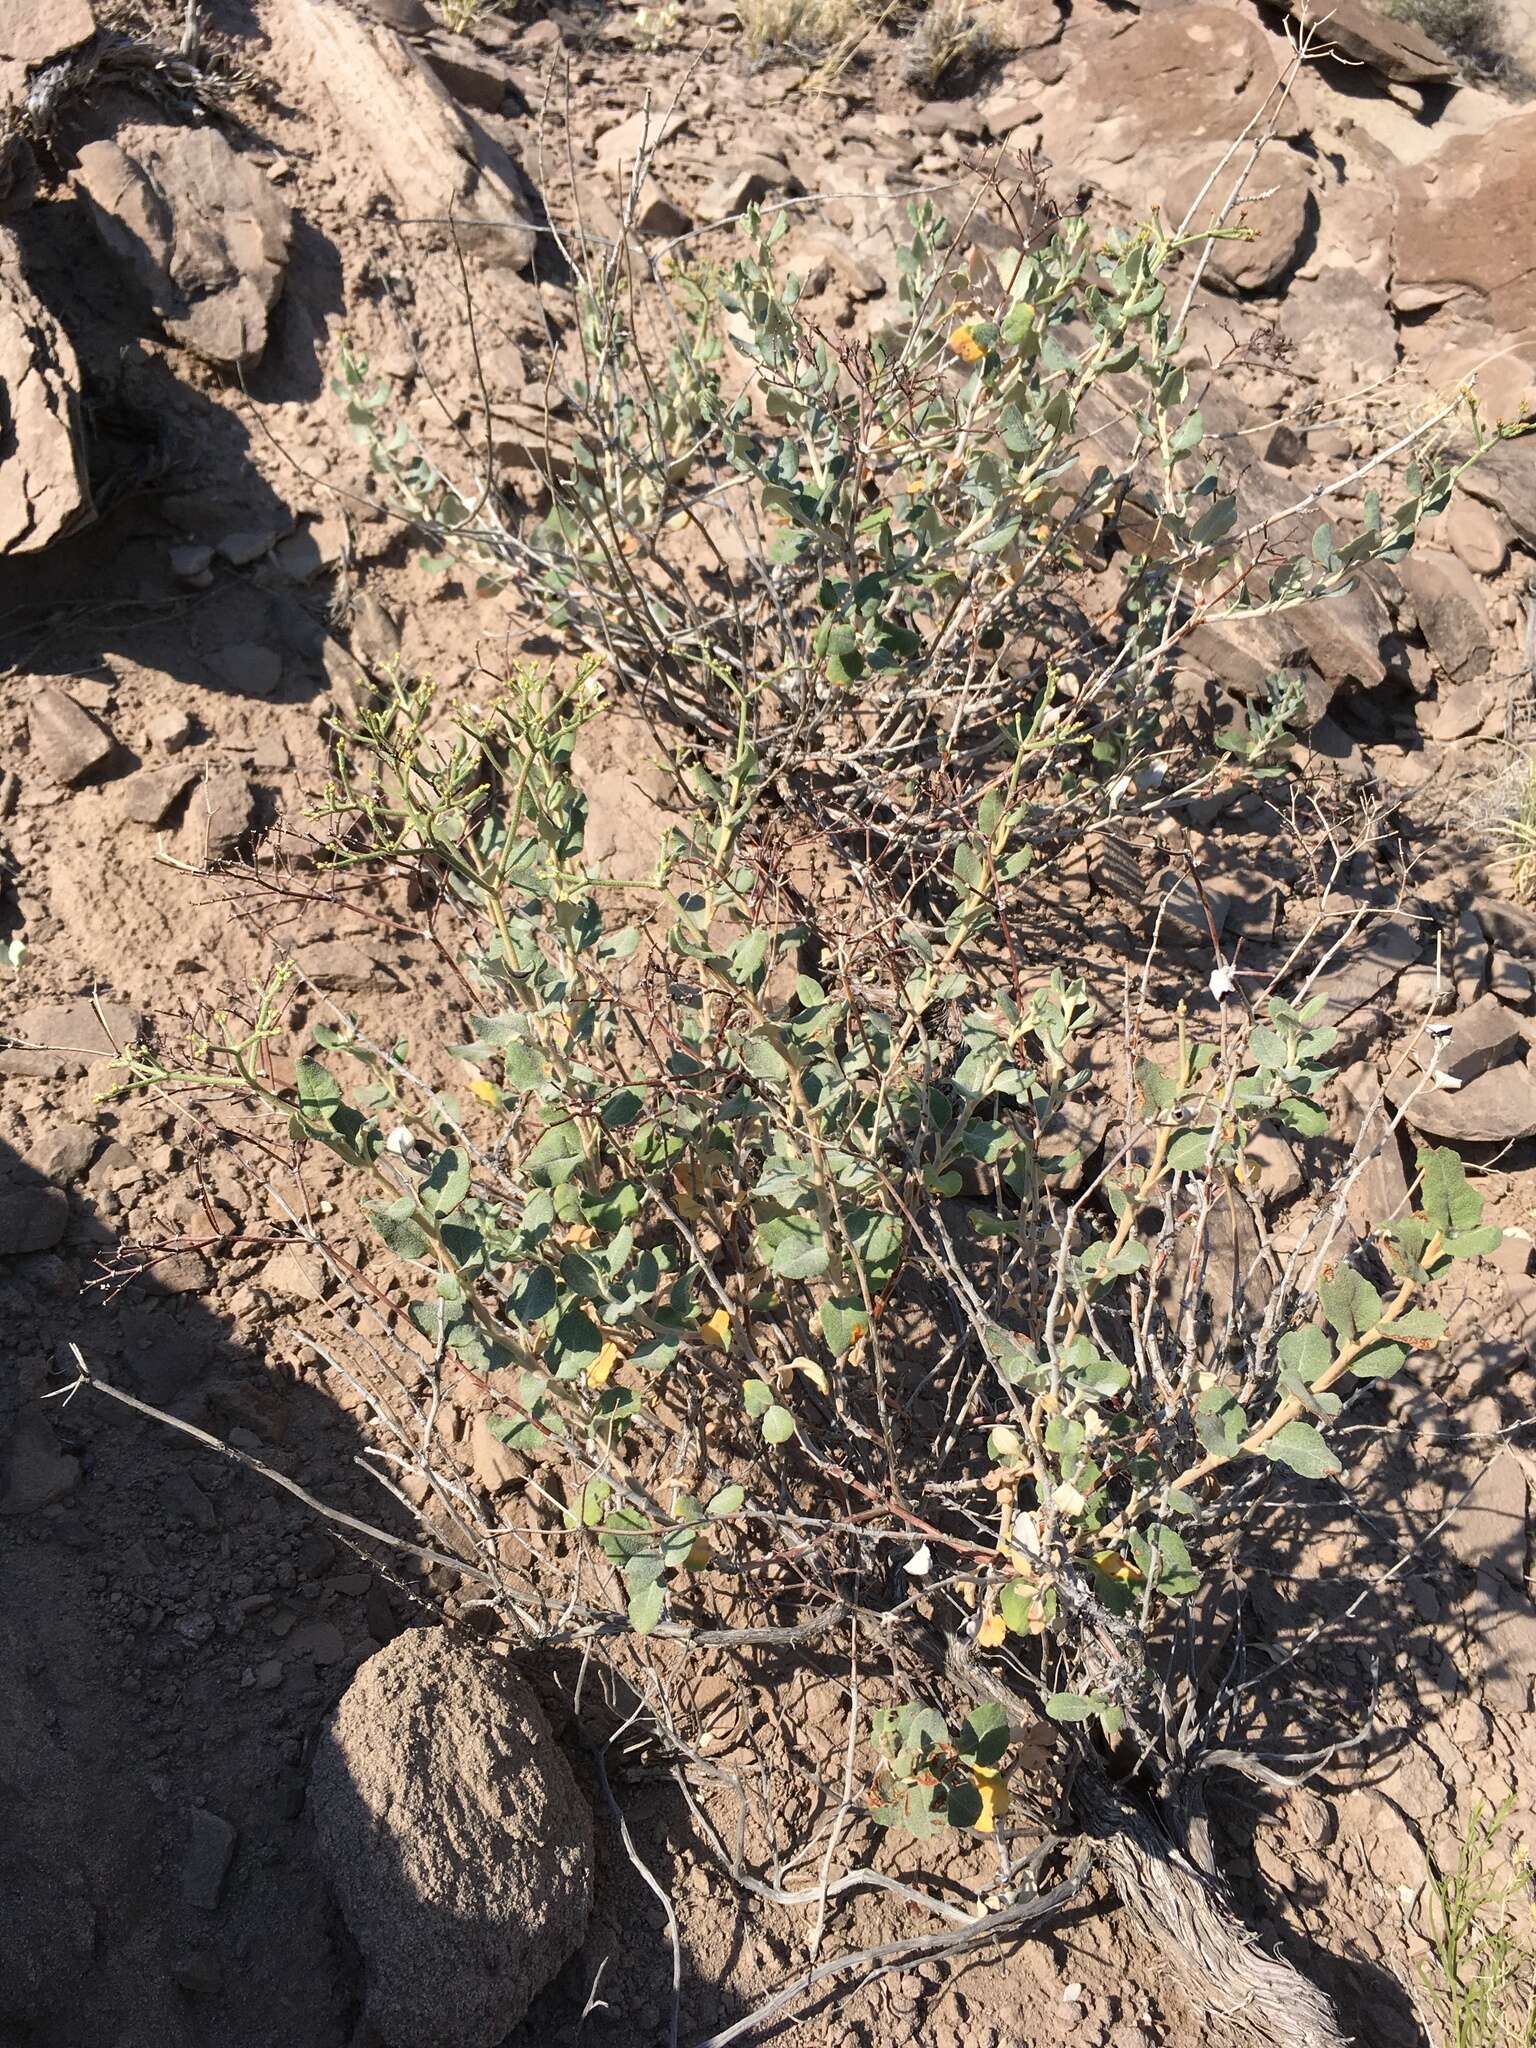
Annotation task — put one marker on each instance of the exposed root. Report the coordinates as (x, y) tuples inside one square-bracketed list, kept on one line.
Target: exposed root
[(1183, 1912)]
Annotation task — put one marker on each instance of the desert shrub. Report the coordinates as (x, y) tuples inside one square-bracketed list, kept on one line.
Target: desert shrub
[(1473, 30), (1520, 833), (872, 557), (810, 31), (836, 1262), (1480, 1979), (949, 40)]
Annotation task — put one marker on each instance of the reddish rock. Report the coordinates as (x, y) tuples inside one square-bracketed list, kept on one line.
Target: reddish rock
[(51, 1040), (43, 487), (1481, 1037), (434, 162), (1464, 227), (1174, 78), (1277, 219), (1451, 612), (37, 32), (1393, 48), (201, 229), (66, 739)]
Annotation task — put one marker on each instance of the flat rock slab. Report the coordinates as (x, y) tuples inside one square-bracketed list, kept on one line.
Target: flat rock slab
[(1487, 1529), (438, 165), (1463, 227), (1483, 1036), (1175, 78), (52, 1040), (43, 487), (69, 742), (1373, 958), (36, 32), (1496, 1108), (1448, 602), (201, 229), (1394, 49), (1505, 478)]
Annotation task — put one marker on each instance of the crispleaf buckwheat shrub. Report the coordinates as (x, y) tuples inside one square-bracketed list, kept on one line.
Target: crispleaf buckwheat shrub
[(833, 1211), (834, 1260), (873, 555)]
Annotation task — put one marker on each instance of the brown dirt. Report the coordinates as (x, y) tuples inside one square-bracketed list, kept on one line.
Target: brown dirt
[(176, 1631)]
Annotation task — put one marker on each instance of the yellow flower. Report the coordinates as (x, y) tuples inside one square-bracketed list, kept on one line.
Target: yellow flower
[(995, 1799), (600, 1371), (715, 1330), (1114, 1566)]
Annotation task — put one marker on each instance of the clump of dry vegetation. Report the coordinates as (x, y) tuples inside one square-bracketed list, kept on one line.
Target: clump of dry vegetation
[(948, 42), (1473, 30)]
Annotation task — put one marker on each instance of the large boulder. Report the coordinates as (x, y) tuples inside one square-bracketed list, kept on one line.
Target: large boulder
[(1146, 93), (1275, 215), (1463, 229), (452, 1832), (439, 167), (1505, 478), (1393, 48), (38, 32), (201, 230), (1451, 612), (43, 487)]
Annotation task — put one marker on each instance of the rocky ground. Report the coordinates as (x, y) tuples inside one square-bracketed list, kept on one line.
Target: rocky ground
[(197, 569)]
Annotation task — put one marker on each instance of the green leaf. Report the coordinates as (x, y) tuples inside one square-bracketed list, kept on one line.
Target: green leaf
[(1415, 1326), (1472, 1244), (1350, 1303), (747, 958), (575, 1344), (1016, 1604), (1220, 1423), (763, 1060), (319, 1091), (533, 1297), (1450, 1202), (841, 1323), (778, 1425), (984, 1735), (1306, 1352), (647, 1604), (845, 661), (1074, 1706), (622, 1109), (1300, 1447), (1177, 1576), (730, 1500), (447, 1184), (1378, 1361), (798, 1255), (756, 1397), (1000, 537), (1159, 1090), (962, 1803), (524, 1067), (1188, 434), (399, 1230), (1187, 1153)]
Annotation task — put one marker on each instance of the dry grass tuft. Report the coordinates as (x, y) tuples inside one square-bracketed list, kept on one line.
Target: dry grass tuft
[(949, 39)]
